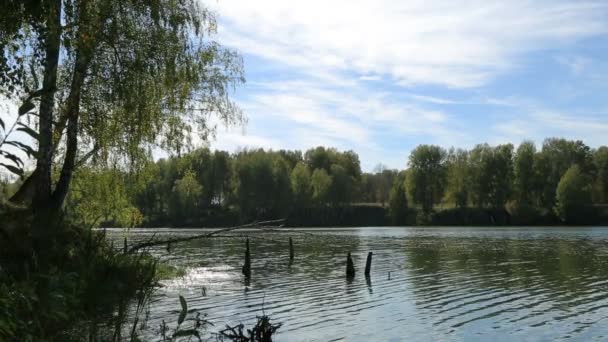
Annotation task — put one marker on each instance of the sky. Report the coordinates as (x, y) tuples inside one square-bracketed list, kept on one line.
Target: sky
[(380, 77)]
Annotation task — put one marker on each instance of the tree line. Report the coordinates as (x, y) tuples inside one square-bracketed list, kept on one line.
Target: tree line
[(562, 179)]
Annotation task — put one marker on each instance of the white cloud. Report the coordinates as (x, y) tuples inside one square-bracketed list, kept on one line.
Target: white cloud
[(334, 72), (305, 114), (460, 43)]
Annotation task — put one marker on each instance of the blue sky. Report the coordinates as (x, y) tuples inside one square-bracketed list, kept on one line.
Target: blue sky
[(380, 77)]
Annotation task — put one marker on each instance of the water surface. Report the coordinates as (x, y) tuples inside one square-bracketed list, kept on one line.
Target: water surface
[(473, 284)]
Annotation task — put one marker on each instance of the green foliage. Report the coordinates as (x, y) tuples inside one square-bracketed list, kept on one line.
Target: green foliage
[(261, 183), (341, 185), (573, 195), (217, 188), (188, 192), (491, 170), (375, 187), (600, 159), (301, 185), (524, 179), (398, 201), (100, 196), (556, 157), (74, 285), (425, 183), (321, 183), (457, 188), (108, 94)]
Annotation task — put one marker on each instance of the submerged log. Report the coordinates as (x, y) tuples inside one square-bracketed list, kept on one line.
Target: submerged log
[(350, 266), (368, 264), (291, 253), (247, 266)]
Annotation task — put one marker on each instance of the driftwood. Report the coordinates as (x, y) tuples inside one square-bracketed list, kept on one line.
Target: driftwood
[(247, 266), (350, 266), (263, 225), (368, 264), (261, 332)]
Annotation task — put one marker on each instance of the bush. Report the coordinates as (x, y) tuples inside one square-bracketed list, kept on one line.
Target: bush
[(67, 285)]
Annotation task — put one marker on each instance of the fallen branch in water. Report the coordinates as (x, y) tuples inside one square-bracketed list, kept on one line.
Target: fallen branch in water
[(263, 225), (261, 332)]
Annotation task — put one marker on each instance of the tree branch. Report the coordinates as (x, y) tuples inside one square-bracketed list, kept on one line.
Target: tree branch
[(257, 225)]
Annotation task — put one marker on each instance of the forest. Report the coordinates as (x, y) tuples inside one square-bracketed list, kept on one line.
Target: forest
[(562, 182)]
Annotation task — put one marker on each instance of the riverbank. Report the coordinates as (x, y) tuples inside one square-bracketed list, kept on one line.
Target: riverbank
[(379, 216), (64, 282), (67, 283)]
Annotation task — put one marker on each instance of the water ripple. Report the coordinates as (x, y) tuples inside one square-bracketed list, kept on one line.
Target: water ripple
[(426, 284)]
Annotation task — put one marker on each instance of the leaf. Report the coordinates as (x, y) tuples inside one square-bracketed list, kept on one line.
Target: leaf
[(13, 169), (182, 315), (26, 107), (12, 157), (23, 147), (28, 130)]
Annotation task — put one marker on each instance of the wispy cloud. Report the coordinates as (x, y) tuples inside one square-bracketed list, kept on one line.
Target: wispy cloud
[(381, 76), (459, 43)]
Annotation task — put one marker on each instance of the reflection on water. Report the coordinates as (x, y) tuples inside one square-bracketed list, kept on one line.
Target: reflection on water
[(444, 283)]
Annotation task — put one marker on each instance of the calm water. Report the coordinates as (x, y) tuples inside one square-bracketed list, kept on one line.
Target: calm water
[(473, 284)]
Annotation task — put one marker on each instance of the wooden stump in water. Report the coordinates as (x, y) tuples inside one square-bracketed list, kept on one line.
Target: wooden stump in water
[(291, 254), (247, 266), (368, 264), (350, 266)]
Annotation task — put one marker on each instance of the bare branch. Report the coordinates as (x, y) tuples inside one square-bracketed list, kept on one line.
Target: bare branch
[(264, 225)]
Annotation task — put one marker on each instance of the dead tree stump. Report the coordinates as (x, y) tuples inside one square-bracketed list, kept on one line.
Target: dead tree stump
[(247, 266), (350, 266), (368, 264), (291, 253)]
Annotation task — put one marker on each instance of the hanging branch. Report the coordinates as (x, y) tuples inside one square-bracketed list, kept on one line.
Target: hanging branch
[(264, 225)]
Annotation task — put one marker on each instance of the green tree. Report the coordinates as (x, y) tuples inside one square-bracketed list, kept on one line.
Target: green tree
[(600, 158), (221, 176), (557, 156), (301, 185), (321, 183), (100, 196), (188, 193), (524, 179), (282, 193), (457, 188), (105, 90), (573, 195), (319, 158), (491, 175), (383, 182), (425, 183), (254, 182), (502, 175), (398, 200), (341, 185)]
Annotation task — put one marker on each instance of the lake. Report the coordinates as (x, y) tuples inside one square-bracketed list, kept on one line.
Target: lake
[(473, 284)]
